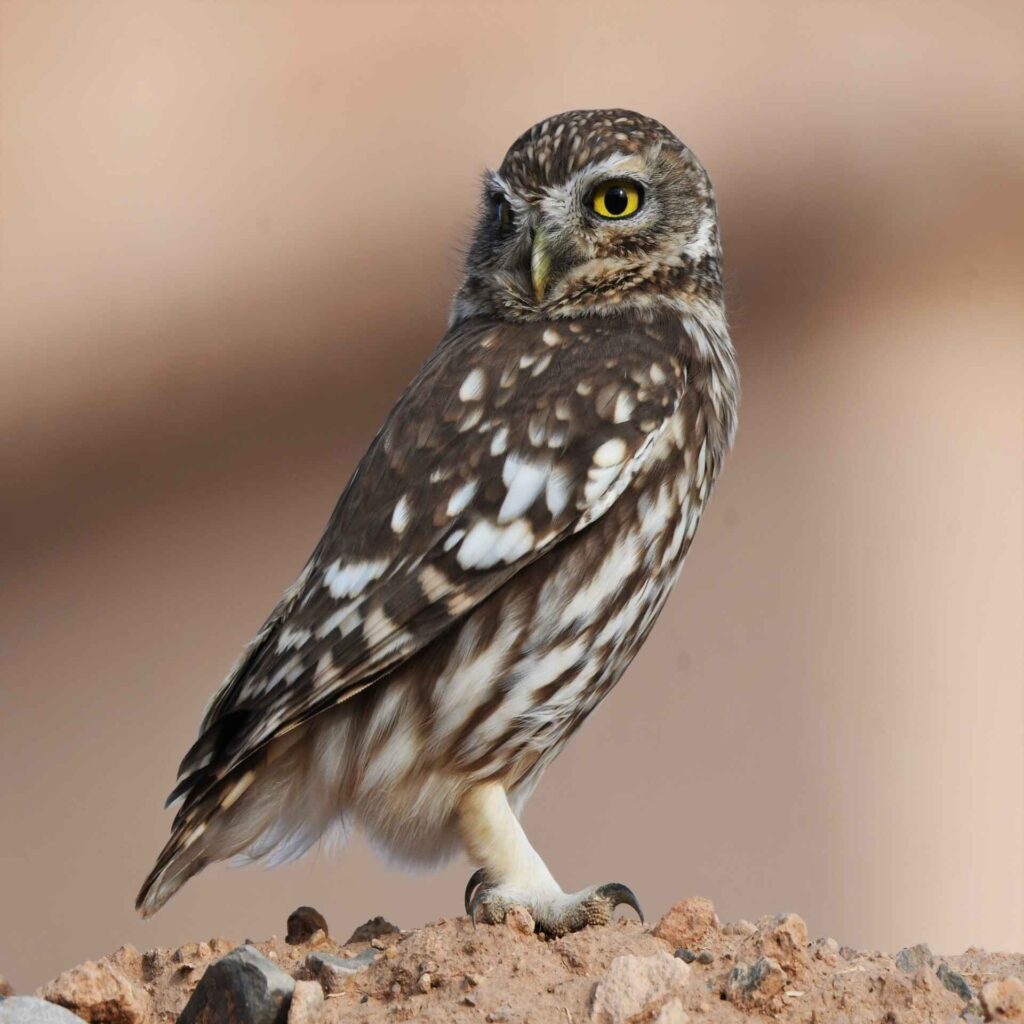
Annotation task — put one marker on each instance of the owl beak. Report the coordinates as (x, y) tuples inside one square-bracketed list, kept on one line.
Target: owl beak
[(540, 264)]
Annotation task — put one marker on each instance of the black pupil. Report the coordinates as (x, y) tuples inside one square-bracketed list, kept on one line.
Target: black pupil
[(616, 200)]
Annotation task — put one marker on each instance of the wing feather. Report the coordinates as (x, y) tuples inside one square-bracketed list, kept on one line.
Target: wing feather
[(509, 440)]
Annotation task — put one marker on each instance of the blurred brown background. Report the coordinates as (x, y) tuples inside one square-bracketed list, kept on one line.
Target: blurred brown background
[(230, 232)]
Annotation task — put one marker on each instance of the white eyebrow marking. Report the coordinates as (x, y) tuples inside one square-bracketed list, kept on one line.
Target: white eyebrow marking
[(497, 181)]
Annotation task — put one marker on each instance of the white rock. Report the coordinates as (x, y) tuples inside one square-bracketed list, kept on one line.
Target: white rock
[(672, 1013), (307, 1005), (639, 984)]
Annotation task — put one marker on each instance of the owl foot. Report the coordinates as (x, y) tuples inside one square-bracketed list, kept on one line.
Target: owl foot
[(554, 915)]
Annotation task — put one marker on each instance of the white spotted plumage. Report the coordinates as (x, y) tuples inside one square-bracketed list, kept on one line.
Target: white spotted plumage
[(504, 546)]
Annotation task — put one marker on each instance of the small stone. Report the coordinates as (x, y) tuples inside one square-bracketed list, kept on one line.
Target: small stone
[(468, 1001), (186, 954), (686, 955), (5, 987), (153, 962), (705, 956), (955, 982), (688, 923), (782, 939), (424, 982), (307, 1005), (29, 1010), (221, 946), (911, 958), (755, 984), (391, 953), (1003, 999), (332, 971), (318, 938), (672, 1013), (243, 987), (519, 919), (742, 927), (203, 950), (925, 980), (500, 1015), (126, 959), (637, 985), (98, 991), (303, 922), (372, 929)]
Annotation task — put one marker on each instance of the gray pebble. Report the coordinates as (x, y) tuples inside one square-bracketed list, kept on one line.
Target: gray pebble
[(243, 987), (912, 958), (332, 971), (956, 983), (705, 956), (29, 1010), (686, 955)]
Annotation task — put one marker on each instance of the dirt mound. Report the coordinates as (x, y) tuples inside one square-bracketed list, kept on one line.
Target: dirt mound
[(687, 967)]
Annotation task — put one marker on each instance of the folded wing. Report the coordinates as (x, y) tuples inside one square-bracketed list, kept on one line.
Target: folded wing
[(509, 440)]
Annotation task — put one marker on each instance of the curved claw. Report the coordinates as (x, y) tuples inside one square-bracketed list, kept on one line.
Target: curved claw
[(475, 881), (620, 895), (473, 906)]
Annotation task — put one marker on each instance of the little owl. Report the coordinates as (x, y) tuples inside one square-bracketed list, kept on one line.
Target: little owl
[(503, 548)]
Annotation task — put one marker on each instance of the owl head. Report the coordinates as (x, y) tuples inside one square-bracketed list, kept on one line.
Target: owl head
[(593, 212)]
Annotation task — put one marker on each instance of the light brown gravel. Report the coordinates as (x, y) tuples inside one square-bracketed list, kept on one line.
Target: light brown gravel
[(454, 973)]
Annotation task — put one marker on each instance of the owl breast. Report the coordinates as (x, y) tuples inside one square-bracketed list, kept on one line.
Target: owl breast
[(529, 666)]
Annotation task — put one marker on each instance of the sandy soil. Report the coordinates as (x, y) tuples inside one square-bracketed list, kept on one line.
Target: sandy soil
[(688, 966)]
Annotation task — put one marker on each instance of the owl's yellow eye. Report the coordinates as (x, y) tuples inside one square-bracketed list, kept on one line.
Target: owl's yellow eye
[(615, 200)]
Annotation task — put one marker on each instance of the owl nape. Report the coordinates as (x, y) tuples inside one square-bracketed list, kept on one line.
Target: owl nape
[(505, 545)]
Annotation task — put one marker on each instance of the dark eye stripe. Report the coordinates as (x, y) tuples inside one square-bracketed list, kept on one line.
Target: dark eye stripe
[(502, 212)]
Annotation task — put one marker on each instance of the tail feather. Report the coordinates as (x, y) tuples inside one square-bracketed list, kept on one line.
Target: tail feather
[(203, 831), (174, 867), (264, 809)]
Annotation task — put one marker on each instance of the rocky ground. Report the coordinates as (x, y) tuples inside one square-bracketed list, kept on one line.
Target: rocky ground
[(687, 967)]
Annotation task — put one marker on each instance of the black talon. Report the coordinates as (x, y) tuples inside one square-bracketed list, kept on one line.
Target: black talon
[(475, 902), (620, 895), (475, 881)]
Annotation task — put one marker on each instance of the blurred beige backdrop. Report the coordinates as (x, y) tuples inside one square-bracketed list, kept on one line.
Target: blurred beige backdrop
[(229, 235)]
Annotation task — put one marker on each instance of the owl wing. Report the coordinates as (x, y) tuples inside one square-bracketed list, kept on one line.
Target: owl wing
[(511, 438)]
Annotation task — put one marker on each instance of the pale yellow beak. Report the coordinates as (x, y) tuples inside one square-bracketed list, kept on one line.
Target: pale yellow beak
[(540, 264)]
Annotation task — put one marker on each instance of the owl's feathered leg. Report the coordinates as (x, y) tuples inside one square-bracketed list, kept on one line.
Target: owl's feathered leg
[(513, 873)]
